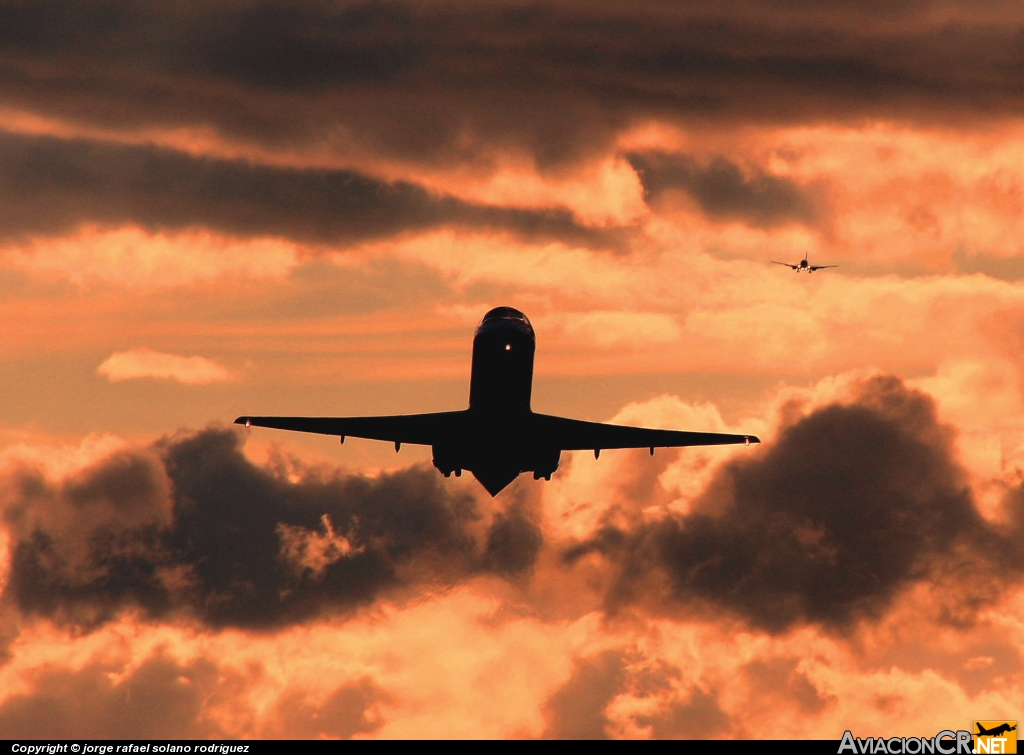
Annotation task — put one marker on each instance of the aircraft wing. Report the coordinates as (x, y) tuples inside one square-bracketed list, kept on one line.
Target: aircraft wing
[(822, 267), (786, 264), (577, 435), (453, 427), (422, 429)]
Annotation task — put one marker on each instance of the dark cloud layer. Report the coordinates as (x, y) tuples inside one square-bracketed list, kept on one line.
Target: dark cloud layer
[(441, 80), (206, 533), (49, 186), (828, 522), (723, 191)]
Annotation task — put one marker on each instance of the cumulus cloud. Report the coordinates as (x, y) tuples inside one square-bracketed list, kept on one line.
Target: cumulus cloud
[(206, 533), (577, 709), (831, 544), (146, 363), (161, 699), (851, 504), (848, 505), (352, 709)]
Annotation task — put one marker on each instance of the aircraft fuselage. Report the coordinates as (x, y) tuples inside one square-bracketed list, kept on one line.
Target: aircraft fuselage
[(496, 449), (502, 374)]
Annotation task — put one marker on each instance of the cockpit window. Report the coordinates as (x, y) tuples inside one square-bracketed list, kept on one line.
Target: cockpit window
[(504, 313)]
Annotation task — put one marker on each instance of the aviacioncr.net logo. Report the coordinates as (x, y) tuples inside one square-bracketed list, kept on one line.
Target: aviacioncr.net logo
[(944, 743)]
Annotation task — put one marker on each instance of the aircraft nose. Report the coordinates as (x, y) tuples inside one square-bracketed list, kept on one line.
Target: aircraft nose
[(506, 325), (504, 313)]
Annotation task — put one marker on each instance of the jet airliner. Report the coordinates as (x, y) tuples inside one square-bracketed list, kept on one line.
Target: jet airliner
[(499, 436), (995, 731), (803, 265)]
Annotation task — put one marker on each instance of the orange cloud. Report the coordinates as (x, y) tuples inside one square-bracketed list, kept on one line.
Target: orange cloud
[(133, 258), (146, 363), (531, 654)]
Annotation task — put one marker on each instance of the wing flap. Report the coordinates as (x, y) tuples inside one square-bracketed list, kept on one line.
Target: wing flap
[(577, 435), (421, 429)]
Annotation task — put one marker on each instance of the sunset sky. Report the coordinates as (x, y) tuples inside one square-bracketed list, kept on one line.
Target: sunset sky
[(228, 207)]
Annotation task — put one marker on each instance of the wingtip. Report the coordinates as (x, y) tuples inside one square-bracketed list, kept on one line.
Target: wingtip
[(753, 439), (242, 421)]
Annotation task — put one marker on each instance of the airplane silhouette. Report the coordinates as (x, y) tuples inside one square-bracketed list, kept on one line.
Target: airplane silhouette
[(499, 436), (995, 732), (803, 265)]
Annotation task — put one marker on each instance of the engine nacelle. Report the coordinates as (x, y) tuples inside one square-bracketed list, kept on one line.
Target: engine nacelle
[(448, 460), (543, 462)]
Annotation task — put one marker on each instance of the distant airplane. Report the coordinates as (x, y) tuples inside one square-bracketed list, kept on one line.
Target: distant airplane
[(803, 265), (995, 731), (499, 436)]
